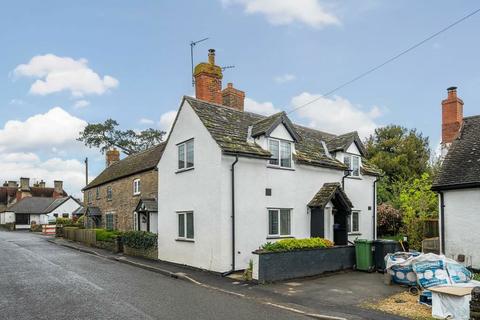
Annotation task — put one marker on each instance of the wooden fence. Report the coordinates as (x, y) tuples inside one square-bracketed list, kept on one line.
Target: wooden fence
[(86, 236)]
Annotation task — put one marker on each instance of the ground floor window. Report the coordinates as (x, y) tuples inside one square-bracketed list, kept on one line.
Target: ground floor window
[(279, 222), (65, 215), (109, 221), (353, 220), (185, 225)]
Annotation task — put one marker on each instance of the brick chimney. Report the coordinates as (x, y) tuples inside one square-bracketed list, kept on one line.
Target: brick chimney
[(57, 189), (233, 98), (41, 184), (112, 156), (208, 80), (12, 184), (25, 184), (452, 118)]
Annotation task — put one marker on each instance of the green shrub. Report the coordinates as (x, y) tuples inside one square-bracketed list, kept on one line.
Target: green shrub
[(296, 244), (64, 221), (140, 239), (476, 276), (106, 235), (81, 219)]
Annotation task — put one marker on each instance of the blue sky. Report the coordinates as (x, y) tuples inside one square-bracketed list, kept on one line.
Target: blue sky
[(68, 63)]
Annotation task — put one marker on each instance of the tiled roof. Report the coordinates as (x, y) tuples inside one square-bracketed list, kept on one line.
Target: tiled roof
[(138, 162), (147, 204), (461, 166), (326, 193), (342, 142), (11, 193), (229, 128), (93, 211), (32, 205)]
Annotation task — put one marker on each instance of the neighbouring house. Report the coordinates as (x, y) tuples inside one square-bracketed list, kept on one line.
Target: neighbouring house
[(38, 210), (124, 195), (231, 180), (458, 183)]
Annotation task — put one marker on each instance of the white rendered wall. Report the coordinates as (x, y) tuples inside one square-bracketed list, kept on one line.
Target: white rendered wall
[(462, 224), (67, 207)]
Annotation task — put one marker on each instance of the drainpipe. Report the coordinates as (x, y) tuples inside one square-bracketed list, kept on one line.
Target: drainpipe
[(347, 173), (233, 217), (442, 222), (375, 209)]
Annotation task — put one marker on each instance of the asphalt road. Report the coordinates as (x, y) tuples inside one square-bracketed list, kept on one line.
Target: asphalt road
[(40, 280)]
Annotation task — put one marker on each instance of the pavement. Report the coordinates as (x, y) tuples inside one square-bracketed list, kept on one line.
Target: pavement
[(336, 296)]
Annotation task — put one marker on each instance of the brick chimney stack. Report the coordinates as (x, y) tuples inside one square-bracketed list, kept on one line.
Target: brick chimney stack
[(112, 156), (452, 118), (25, 184), (208, 80), (41, 184), (233, 98), (57, 189)]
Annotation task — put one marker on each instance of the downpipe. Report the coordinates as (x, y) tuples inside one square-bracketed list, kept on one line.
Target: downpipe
[(442, 222), (233, 217), (374, 208)]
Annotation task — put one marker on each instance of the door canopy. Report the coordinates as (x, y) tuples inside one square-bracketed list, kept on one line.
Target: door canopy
[(331, 191)]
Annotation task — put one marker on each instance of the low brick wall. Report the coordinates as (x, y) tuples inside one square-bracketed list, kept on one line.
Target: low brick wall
[(151, 253), (276, 266)]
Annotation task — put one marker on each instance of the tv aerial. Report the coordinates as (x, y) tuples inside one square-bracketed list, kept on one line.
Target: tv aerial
[(192, 45)]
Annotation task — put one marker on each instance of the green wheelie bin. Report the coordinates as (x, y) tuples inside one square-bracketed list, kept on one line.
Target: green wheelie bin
[(364, 255)]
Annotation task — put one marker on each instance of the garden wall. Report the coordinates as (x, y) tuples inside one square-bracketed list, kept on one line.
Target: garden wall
[(276, 266), (150, 253)]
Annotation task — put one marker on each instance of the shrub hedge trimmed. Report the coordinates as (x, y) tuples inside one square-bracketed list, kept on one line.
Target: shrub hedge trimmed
[(140, 239), (296, 244), (106, 235)]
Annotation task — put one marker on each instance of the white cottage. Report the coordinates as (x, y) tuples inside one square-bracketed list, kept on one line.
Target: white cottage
[(231, 180), (458, 183)]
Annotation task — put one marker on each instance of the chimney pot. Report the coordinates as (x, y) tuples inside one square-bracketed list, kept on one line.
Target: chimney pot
[(208, 80), (57, 189), (211, 56), (25, 184)]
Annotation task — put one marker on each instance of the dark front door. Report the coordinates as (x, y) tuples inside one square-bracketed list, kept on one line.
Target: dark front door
[(340, 233), (317, 222), (22, 218)]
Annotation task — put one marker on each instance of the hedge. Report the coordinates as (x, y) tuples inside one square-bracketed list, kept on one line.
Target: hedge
[(106, 235), (140, 239), (296, 244)]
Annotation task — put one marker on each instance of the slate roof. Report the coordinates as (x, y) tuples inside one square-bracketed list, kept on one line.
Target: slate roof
[(229, 128), (147, 204), (138, 162), (461, 166), (342, 142), (93, 211), (80, 211), (32, 205), (327, 193)]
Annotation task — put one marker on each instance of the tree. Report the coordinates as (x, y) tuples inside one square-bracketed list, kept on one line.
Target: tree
[(402, 154), (106, 135), (389, 219), (418, 203)]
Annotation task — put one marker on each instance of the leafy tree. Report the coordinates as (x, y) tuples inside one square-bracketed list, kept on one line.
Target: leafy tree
[(389, 219), (418, 203), (106, 135)]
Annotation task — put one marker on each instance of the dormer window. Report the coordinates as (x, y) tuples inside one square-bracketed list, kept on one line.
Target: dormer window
[(353, 163), (281, 153)]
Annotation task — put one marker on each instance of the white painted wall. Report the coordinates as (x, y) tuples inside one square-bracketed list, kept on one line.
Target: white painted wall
[(153, 222), (462, 222), (68, 206), (206, 190), (7, 217)]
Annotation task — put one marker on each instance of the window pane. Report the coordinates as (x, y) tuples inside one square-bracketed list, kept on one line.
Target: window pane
[(273, 148), (272, 222), (355, 227), (181, 156), (189, 154), (284, 222), (355, 166), (181, 225), (190, 225), (109, 221), (285, 154), (348, 162)]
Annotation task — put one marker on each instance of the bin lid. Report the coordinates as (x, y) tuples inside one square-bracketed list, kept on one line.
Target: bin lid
[(363, 241), (385, 241)]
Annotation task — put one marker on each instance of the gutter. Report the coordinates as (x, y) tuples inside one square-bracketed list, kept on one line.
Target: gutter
[(233, 217), (442, 222)]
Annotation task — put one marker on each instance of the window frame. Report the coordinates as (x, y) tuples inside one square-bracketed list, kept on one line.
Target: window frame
[(89, 197), (279, 153), (185, 236), (137, 187), (279, 223), (109, 193), (107, 215), (350, 222), (185, 145), (352, 156)]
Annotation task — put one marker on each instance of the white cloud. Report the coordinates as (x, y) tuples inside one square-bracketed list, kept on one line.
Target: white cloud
[(71, 171), (81, 104), (336, 115), (265, 108), (53, 129), (146, 121), (287, 77), (166, 120), (55, 74), (16, 102), (283, 12)]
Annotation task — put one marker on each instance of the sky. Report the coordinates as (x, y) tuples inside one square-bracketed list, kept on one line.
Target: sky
[(68, 63)]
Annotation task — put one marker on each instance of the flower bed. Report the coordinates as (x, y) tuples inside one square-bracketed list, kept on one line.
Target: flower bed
[(297, 258)]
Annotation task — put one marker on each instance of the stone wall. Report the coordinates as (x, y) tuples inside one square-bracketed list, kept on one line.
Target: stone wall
[(123, 201), (151, 253), (276, 266)]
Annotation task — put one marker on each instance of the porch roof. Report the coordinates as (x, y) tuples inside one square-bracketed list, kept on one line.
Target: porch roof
[(147, 204), (328, 192), (93, 211)]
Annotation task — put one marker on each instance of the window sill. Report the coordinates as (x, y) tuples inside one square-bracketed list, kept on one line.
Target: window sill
[(136, 194), (355, 233), (280, 168), (280, 237), (183, 170), (353, 177), (184, 240)]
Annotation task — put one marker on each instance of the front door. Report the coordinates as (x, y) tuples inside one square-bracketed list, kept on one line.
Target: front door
[(340, 233), (317, 222)]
